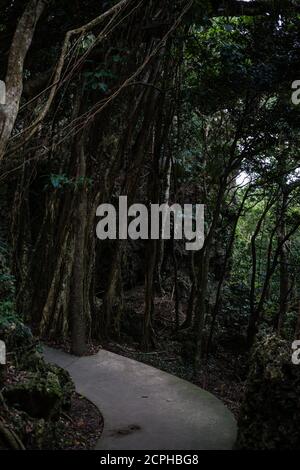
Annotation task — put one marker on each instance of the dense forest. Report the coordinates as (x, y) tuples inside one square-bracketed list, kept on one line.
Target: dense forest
[(173, 102)]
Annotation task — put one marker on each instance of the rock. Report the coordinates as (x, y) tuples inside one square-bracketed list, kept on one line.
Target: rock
[(17, 336), (32, 360), (42, 395), (270, 413), (66, 384)]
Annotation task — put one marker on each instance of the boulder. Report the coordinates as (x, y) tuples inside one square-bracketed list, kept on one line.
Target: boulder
[(270, 413), (42, 395)]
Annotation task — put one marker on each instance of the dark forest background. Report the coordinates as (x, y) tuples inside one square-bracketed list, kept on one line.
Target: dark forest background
[(174, 101)]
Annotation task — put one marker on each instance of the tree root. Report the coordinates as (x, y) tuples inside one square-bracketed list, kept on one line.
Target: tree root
[(10, 438)]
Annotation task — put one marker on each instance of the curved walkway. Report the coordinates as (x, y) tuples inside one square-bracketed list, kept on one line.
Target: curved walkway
[(145, 408)]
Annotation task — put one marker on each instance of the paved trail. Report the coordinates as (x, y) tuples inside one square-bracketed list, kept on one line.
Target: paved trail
[(145, 408)]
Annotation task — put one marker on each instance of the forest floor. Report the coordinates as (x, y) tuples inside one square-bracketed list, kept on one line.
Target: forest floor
[(82, 426)]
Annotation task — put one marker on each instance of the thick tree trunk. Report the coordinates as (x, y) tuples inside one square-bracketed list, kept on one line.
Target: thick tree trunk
[(78, 307), (14, 76), (113, 299), (165, 200), (149, 294)]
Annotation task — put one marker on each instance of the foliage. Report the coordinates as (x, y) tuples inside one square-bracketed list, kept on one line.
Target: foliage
[(62, 181)]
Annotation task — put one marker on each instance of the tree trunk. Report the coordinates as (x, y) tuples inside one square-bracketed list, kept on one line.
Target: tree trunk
[(200, 316), (78, 307), (149, 294), (14, 76), (283, 265), (297, 331)]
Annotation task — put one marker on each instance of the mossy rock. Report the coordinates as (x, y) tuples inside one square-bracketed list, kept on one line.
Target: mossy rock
[(66, 384), (16, 335), (270, 413), (32, 360), (42, 395)]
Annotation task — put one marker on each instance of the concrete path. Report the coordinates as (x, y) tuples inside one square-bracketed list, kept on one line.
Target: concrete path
[(145, 408)]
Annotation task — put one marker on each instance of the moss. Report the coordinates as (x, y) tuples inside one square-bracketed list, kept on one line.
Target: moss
[(270, 413), (32, 360), (17, 336), (66, 384), (42, 395)]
